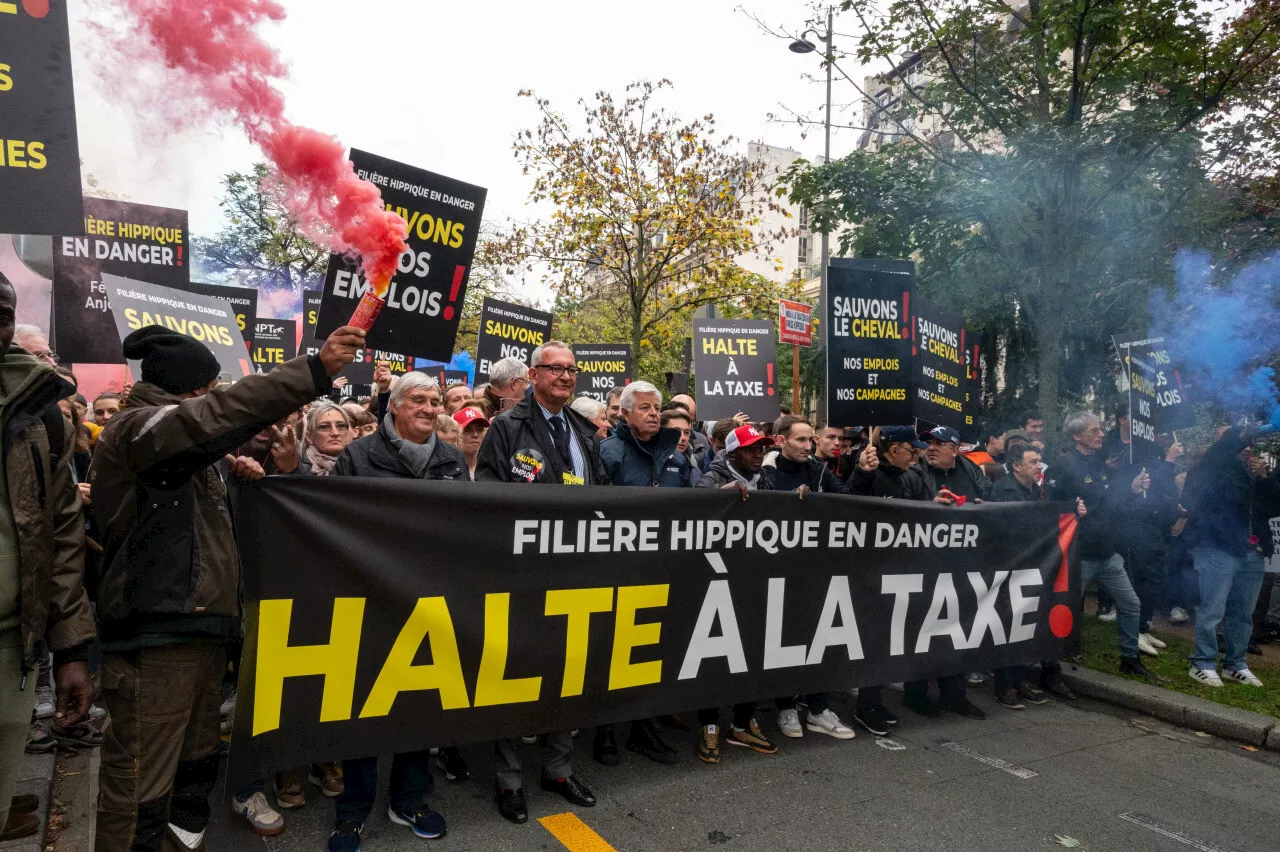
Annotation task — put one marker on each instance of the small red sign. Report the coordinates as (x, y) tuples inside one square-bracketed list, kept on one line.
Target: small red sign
[(795, 323)]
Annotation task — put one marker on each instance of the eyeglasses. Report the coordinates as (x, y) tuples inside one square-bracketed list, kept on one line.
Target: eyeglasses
[(47, 355), (558, 370), (332, 427)]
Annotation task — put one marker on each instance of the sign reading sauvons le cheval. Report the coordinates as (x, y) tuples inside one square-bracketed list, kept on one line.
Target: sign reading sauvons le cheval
[(507, 625)]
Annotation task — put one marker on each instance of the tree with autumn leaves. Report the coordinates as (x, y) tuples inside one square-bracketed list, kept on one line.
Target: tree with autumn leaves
[(647, 215)]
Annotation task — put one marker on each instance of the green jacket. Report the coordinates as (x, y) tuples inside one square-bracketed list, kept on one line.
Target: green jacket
[(171, 569), (43, 521)]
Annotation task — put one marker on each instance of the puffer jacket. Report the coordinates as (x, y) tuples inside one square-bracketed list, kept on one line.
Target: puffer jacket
[(719, 475), (629, 463), (172, 570), (375, 455), (45, 509)]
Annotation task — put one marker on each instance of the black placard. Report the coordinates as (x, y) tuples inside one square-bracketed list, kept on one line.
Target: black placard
[(135, 304), (602, 367), (1173, 402), (973, 391), (868, 342), (1142, 375), (274, 342), (39, 152), (425, 301), (508, 331), (243, 299), (507, 623), (735, 365), (940, 376), (134, 241), (448, 378)]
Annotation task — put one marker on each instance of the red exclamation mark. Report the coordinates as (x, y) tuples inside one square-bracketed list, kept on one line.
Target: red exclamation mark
[(179, 255), (961, 361), (1060, 617), (906, 313), (769, 367), (36, 8), (458, 272)]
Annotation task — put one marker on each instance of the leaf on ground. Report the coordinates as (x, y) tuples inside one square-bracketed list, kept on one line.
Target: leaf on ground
[(1202, 734), (1063, 840), (1249, 748)]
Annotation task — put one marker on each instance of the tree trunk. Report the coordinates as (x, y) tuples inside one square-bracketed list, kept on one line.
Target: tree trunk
[(1049, 360)]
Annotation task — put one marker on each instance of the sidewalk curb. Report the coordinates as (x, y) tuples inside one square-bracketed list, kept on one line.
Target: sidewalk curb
[(35, 776), (1186, 711)]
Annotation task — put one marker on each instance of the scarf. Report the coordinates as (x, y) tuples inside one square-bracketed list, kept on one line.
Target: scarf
[(321, 464), (415, 456), (750, 484)]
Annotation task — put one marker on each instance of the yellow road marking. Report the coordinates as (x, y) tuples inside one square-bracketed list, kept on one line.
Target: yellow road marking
[(575, 834)]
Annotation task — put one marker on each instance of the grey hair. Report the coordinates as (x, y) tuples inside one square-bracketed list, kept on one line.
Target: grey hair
[(1078, 421), (550, 344), (26, 329), (412, 381), (504, 372), (630, 391), (324, 406), (588, 407)]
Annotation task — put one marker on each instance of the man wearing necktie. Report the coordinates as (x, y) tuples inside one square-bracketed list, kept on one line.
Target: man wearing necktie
[(542, 440)]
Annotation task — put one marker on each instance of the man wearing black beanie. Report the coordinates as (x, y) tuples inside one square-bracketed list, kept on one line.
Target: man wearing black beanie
[(169, 595)]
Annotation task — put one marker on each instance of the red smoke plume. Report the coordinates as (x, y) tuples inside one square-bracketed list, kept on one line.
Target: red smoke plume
[(212, 53)]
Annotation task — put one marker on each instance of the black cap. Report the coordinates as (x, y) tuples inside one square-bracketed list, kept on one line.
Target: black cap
[(171, 361), (902, 435), (945, 434)]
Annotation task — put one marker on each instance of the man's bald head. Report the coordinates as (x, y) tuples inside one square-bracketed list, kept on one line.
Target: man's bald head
[(688, 403)]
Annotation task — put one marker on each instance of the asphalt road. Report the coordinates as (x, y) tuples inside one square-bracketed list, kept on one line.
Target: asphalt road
[(1013, 782)]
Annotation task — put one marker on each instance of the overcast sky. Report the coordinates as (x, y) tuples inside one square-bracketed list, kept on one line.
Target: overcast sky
[(434, 84)]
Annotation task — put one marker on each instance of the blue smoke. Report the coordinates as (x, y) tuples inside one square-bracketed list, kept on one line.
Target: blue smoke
[(460, 361), (1223, 333)]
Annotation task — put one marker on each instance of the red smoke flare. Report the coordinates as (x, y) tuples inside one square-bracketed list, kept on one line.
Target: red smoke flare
[(215, 56)]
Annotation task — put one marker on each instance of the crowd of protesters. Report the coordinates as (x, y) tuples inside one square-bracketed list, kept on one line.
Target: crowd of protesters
[(120, 555)]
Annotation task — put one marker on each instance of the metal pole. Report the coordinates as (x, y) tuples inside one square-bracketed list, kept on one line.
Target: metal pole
[(826, 158), (795, 379)]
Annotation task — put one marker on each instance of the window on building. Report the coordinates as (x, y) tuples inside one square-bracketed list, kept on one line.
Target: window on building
[(804, 217), (802, 256)]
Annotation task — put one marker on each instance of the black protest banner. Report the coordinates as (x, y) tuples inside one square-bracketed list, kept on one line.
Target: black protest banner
[(940, 377), (973, 390), (426, 296), (133, 241), (868, 341), (601, 368), (310, 316), (135, 304), (506, 624), (39, 154), (1141, 376), (448, 378), (508, 331), (244, 300), (734, 362), (274, 342), (1173, 403)]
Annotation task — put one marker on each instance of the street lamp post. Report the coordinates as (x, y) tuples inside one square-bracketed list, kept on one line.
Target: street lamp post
[(803, 45)]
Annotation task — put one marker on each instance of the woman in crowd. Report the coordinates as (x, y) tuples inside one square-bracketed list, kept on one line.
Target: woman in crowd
[(447, 429), (470, 419)]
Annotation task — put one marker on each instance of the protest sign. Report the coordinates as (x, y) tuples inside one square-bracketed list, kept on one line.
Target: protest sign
[(359, 373), (734, 362), (448, 378), (1173, 404), (134, 241), (795, 323), (602, 367), (135, 304), (274, 342), (940, 377), (424, 302), (973, 389), (244, 300), (1141, 375), (39, 154), (506, 624), (508, 330), (868, 341)]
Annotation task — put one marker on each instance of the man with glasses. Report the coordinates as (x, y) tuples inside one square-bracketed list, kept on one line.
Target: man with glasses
[(542, 440), (34, 341)]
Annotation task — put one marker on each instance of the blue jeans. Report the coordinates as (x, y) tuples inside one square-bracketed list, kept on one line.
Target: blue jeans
[(1229, 588), (1110, 576), (410, 781)]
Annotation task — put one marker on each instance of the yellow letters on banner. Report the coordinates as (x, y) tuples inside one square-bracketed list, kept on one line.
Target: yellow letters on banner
[(628, 635), (429, 621), (277, 660), (578, 605), (491, 685)]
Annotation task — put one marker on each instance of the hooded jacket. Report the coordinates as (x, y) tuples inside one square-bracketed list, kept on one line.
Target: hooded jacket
[(41, 521), (172, 572), (628, 462), (374, 455), (519, 448), (719, 475)]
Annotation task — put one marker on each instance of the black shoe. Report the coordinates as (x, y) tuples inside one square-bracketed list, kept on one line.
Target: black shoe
[(1030, 694), (605, 748), (1134, 666), (1010, 699), (889, 717), (573, 790), (873, 720), (24, 803), (922, 705), (345, 837), (645, 740), (512, 806), (1253, 649), (452, 764), (1057, 686), (961, 706)]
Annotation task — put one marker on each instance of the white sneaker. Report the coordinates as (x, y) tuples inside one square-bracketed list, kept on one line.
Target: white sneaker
[(1146, 646), (44, 702), (1154, 642), (96, 712), (257, 811), (827, 722), (789, 723), (1209, 677), (186, 839), (1241, 676), (1178, 615), (1109, 615)]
